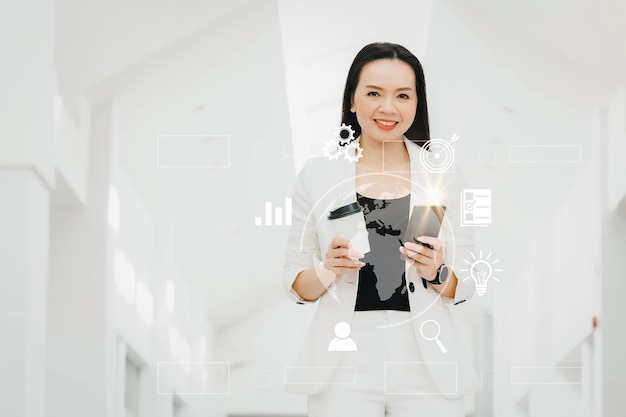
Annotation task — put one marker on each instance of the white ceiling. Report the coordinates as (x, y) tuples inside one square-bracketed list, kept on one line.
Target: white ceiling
[(587, 32), (96, 40)]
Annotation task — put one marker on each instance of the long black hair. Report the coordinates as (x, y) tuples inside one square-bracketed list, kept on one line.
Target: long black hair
[(419, 132)]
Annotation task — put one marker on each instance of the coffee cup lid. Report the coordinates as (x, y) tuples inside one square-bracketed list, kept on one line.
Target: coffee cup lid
[(345, 211)]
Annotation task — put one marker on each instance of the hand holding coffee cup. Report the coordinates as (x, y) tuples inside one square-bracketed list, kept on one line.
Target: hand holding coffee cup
[(351, 242), (341, 258)]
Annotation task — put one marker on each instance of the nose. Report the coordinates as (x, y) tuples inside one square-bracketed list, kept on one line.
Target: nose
[(387, 105)]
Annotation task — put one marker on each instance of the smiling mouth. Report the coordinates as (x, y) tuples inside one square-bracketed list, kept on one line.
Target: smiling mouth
[(385, 124)]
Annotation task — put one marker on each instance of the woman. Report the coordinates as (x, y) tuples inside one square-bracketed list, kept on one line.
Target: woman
[(405, 357)]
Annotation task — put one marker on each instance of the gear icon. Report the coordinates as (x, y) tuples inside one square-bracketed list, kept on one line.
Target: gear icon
[(353, 152), (332, 150), (343, 128)]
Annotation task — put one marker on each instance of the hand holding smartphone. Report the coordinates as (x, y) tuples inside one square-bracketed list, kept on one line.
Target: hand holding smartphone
[(425, 220)]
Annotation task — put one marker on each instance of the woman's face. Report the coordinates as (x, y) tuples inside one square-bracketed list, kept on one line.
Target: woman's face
[(385, 100)]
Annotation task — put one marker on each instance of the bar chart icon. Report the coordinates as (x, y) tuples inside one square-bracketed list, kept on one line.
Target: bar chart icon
[(275, 216)]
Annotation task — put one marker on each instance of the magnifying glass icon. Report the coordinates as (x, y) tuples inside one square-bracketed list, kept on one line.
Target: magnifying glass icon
[(437, 330)]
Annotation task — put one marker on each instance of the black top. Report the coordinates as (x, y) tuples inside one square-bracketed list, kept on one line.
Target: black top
[(382, 284)]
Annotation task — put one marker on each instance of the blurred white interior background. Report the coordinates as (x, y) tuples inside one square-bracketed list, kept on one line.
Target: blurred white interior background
[(138, 281)]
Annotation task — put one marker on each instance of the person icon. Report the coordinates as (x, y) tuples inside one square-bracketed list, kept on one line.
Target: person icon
[(342, 342)]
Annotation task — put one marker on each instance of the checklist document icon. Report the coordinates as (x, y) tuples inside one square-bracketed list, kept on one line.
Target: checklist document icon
[(476, 207)]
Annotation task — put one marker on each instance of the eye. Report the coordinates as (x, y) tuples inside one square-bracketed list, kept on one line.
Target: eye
[(373, 94), (403, 96)]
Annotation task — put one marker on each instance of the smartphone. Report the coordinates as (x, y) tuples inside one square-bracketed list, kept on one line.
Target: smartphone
[(424, 221)]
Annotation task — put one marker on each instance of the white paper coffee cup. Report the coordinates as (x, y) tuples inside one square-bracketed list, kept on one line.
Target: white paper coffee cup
[(349, 223)]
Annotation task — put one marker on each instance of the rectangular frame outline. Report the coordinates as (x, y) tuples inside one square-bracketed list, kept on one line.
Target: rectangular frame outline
[(456, 379), (548, 367), (580, 152), (190, 166), (482, 379), (318, 367), (383, 157), (192, 393)]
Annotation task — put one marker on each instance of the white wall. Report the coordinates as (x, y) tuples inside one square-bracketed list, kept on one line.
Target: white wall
[(28, 85), (149, 246), (610, 336), (28, 81), (93, 320), (71, 152), (496, 88), (615, 113)]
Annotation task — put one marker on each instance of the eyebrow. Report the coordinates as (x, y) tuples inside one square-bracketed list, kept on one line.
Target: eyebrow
[(397, 89)]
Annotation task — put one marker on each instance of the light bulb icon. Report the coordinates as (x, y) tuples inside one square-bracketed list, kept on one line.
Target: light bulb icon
[(481, 271)]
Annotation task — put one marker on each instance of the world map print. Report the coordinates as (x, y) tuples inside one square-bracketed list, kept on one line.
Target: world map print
[(382, 284)]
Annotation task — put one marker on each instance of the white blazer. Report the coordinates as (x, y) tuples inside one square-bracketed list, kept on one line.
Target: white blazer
[(324, 185)]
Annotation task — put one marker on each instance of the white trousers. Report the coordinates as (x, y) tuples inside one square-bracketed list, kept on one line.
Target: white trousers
[(390, 378)]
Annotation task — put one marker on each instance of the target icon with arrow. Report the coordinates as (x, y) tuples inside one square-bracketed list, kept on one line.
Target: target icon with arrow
[(438, 155)]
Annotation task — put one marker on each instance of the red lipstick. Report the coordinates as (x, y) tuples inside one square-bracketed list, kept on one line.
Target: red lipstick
[(385, 126)]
